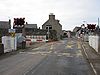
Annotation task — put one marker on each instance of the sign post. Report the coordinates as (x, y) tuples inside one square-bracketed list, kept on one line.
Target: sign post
[(13, 41)]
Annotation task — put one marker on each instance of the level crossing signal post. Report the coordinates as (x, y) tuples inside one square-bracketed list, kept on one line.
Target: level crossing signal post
[(19, 23)]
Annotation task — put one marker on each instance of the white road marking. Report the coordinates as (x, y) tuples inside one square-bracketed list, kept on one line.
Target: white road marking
[(67, 54), (51, 46), (38, 52), (94, 70), (55, 52), (59, 55), (64, 54), (36, 48), (44, 54)]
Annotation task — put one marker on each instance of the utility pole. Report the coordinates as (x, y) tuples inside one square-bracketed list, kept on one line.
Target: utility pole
[(98, 21)]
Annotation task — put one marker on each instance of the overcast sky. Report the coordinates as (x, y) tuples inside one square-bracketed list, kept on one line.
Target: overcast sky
[(71, 13)]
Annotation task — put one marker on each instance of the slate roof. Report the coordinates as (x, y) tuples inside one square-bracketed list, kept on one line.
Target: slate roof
[(31, 26)]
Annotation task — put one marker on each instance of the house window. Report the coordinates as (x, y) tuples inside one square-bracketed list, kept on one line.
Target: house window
[(65, 33), (46, 27), (50, 27)]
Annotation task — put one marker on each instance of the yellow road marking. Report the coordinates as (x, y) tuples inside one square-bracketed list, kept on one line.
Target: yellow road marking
[(69, 46), (79, 46)]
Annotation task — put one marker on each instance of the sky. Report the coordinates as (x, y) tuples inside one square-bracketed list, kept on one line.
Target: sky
[(71, 13)]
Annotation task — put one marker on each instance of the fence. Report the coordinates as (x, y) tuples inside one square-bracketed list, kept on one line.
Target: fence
[(38, 38)]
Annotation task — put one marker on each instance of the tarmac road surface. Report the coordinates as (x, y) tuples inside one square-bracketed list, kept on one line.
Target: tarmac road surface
[(56, 58)]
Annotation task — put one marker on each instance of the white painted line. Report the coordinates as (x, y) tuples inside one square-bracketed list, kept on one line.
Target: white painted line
[(85, 51), (43, 54), (38, 52), (55, 52), (51, 46), (59, 55), (36, 48), (94, 70), (22, 52)]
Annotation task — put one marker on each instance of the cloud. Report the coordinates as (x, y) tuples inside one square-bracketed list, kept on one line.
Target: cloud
[(69, 12)]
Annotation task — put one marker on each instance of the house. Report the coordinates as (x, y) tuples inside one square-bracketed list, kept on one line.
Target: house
[(68, 34), (53, 24), (38, 34), (4, 26), (30, 29), (77, 31)]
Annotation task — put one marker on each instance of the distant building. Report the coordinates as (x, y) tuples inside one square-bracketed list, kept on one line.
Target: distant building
[(4, 26), (33, 30), (30, 29), (68, 34), (53, 24), (64, 33), (76, 29)]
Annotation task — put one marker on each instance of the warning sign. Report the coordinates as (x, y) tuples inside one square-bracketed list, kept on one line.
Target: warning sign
[(12, 32)]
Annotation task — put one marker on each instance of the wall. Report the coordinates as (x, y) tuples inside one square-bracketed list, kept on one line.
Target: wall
[(10, 43), (94, 42)]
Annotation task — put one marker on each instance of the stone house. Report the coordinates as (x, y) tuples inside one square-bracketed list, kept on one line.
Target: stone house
[(53, 24)]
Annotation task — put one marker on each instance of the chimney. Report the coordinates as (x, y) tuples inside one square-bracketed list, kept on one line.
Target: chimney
[(51, 16), (58, 21)]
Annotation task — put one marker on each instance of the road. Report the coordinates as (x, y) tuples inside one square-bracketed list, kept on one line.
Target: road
[(63, 57)]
